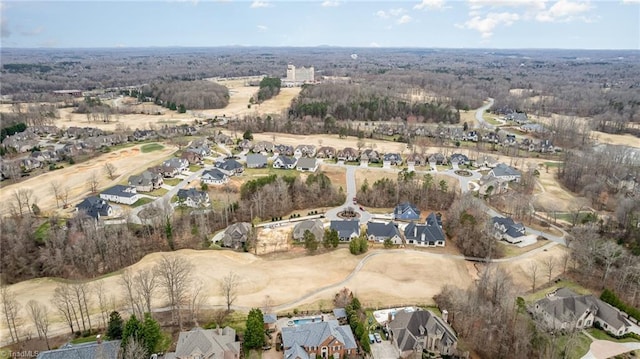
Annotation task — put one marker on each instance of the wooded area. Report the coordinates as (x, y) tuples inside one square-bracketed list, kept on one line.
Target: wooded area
[(198, 95)]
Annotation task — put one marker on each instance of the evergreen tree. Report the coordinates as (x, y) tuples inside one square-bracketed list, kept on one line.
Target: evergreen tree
[(310, 242), (254, 335), (132, 329), (151, 333), (114, 328)]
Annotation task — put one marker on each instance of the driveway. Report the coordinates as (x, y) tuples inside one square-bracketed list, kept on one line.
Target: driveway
[(384, 350), (603, 349)]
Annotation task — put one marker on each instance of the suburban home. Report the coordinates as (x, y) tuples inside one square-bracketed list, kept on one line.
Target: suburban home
[(306, 164), (470, 136), (214, 176), (546, 146), (222, 139), (207, 344), (429, 234), (262, 146), (120, 194), (201, 149), (391, 159), (491, 185), (532, 127), (486, 161), (98, 349), (270, 322), (564, 309), (506, 229), (379, 232), (348, 154), (415, 331), (245, 145), (370, 155), (326, 339), (231, 167), (506, 173), (285, 162), (406, 211), (326, 152), (283, 150), (437, 159), (95, 207), (315, 226), (179, 164), (347, 229), (459, 159), (256, 160), (510, 140), (304, 151), (192, 157), (517, 117), (491, 137), (417, 159), (193, 198), (236, 235), (142, 135), (147, 181)]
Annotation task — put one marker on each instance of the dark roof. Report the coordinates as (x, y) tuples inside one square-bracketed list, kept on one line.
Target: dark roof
[(120, 190), (346, 228), (256, 159), (313, 334), (286, 160), (512, 228), (504, 170), (214, 173), (107, 350), (306, 162), (229, 165), (190, 193), (406, 210), (408, 327), (388, 230), (94, 207), (459, 157), (392, 157), (432, 230)]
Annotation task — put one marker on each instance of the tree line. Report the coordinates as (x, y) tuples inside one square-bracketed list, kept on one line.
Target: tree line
[(188, 94)]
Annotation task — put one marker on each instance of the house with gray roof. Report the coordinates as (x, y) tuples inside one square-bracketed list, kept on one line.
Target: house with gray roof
[(231, 167), (256, 160), (370, 155), (175, 166), (429, 234), (313, 225), (236, 235), (305, 150), (379, 232), (507, 229), (193, 198), (120, 194), (326, 152), (413, 332), (347, 229), (306, 164), (459, 158), (95, 207), (391, 159), (147, 181), (325, 339), (285, 162), (214, 176), (406, 211), (506, 173), (283, 150), (207, 344), (105, 350), (486, 161), (564, 309)]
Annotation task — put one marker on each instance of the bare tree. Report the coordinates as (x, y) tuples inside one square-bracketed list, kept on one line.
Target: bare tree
[(609, 252), (64, 197), (110, 170), (56, 191), (533, 272), (145, 284), (38, 313), (93, 182), (196, 301), (81, 290), (565, 261), (63, 301), (174, 276), (135, 349), (550, 264), (103, 302), (10, 309), (23, 200), (128, 283), (229, 288)]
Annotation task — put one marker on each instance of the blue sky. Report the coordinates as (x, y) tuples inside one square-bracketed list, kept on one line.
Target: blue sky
[(570, 24)]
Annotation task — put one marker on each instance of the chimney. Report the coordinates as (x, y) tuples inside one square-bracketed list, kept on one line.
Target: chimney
[(445, 315), (415, 231)]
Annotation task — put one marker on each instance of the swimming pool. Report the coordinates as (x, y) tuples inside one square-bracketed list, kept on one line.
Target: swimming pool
[(307, 320)]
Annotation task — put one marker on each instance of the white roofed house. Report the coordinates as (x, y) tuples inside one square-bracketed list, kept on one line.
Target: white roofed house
[(120, 194), (285, 162), (214, 176), (307, 164)]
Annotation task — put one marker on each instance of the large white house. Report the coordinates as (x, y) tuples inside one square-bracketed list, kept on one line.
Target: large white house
[(120, 194), (214, 176)]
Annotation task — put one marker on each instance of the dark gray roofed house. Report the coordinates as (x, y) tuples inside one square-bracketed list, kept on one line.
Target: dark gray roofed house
[(193, 198), (347, 230), (393, 159), (379, 232), (207, 344), (459, 158), (306, 164), (230, 167), (313, 225), (406, 211), (285, 162), (422, 330), (214, 176), (430, 234), (236, 235), (324, 339), (106, 350), (326, 152), (120, 194), (256, 160), (146, 181), (508, 230), (506, 173), (95, 207)]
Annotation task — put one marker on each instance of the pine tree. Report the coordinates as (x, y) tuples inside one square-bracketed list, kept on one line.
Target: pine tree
[(114, 328), (254, 335)]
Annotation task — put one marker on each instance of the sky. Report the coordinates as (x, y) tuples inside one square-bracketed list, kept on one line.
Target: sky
[(506, 24)]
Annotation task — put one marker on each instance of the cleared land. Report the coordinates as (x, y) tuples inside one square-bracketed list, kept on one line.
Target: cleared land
[(127, 161)]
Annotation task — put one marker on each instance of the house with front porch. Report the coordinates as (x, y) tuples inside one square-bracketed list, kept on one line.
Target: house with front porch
[(414, 332), (505, 172), (285, 162), (325, 339), (120, 194), (508, 230), (193, 198), (429, 234), (379, 232), (347, 229), (214, 176)]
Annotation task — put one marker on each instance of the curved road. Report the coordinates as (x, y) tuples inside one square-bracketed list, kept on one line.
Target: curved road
[(480, 112)]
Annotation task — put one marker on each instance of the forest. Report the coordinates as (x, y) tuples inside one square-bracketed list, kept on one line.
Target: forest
[(198, 95)]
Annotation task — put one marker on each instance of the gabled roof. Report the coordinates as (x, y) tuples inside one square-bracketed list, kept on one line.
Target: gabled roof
[(211, 343), (107, 350), (306, 162), (459, 157), (408, 327), (512, 228), (256, 159), (392, 157), (174, 162), (315, 226), (431, 229), (229, 165), (270, 318), (406, 210), (192, 193), (286, 160), (94, 206), (314, 334), (387, 230), (120, 190), (505, 170), (346, 228), (214, 174)]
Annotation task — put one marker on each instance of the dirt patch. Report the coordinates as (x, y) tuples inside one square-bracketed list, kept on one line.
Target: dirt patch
[(521, 273), (276, 239)]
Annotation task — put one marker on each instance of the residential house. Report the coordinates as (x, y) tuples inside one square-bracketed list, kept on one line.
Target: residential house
[(95, 207), (304, 151), (429, 234), (459, 159), (379, 232), (347, 229), (417, 159), (256, 160), (98, 349), (214, 176), (192, 157), (326, 152), (470, 136), (231, 167), (491, 137), (532, 127), (179, 165), (80, 132), (507, 229), (245, 145), (370, 156), (506, 173), (207, 344), (391, 159), (29, 164), (313, 225), (510, 140), (491, 185), (285, 162), (406, 211), (348, 154), (283, 150), (143, 135), (193, 198), (21, 141), (222, 139), (120, 194), (307, 164), (147, 181), (518, 117), (413, 332), (546, 146), (326, 339), (236, 235), (262, 146), (486, 161), (202, 150), (564, 309), (437, 159)]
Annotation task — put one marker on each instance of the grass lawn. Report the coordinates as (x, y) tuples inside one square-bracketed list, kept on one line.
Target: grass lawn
[(553, 164), (194, 168), (158, 192), (89, 339), (575, 348), (510, 250), (563, 283), (262, 172), (491, 120), (142, 201), (150, 147), (602, 335), (172, 181), (379, 164), (442, 168)]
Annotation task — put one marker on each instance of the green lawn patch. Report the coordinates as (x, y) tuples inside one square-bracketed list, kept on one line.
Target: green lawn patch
[(553, 164), (89, 339), (172, 181), (373, 164), (575, 347), (150, 147), (158, 192), (142, 201), (602, 335), (194, 168), (561, 284)]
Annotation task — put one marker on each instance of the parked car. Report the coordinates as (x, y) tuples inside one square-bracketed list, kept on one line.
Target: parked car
[(378, 337), (371, 339)]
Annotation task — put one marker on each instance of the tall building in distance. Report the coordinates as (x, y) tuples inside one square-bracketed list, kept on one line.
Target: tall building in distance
[(299, 76)]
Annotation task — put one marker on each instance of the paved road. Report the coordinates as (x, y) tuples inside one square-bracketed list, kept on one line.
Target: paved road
[(603, 349), (480, 112), (332, 214)]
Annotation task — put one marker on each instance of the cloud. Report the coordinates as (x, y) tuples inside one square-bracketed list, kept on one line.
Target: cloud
[(262, 28), (374, 44), (430, 4), (397, 12), (631, 1), (533, 4), (259, 3), (33, 32), (330, 3), (564, 10), (405, 19), (5, 32), (381, 14), (486, 25)]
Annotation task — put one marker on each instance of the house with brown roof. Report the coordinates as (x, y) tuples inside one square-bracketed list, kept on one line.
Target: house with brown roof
[(348, 154), (326, 152), (207, 344)]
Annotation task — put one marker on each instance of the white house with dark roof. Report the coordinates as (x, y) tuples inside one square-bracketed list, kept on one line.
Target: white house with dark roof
[(429, 234), (391, 159), (347, 229), (214, 176), (306, 164), (95, 207), (413, 332), (285, 162), (507, 229), (193, 198), (379, 232), (99, 349), (207, 344), (324, 339), (120, 194), (406, 211), (505, 172), (231, 167)]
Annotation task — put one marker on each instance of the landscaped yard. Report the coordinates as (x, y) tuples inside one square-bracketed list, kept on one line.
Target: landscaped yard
[(172, 181), (511, 250), (575, 347), (602, 335), (142, 201), (150, 147), (562, 284), (158, 192), (194, 168)]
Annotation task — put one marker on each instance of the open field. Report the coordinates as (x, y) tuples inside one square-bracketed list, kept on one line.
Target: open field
[(371, 176), (553, 197), (127, 161), (520, 269)]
